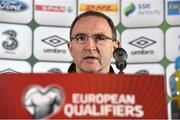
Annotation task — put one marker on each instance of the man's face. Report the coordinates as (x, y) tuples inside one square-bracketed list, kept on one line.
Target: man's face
[(91, 56)]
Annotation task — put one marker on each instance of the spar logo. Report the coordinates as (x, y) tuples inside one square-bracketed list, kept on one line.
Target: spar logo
[(142, 43), (13, 5), (99, 7), (129, 9), (54, 8), (174, 8), (54, 41)]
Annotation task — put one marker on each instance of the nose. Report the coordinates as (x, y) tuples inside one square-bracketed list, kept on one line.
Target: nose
[(90, 44)]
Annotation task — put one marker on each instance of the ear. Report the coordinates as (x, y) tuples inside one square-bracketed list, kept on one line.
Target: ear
[(69, 46), (116, 44)]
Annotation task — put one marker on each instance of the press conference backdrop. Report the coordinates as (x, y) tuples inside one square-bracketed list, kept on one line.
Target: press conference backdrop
[(34, 34)]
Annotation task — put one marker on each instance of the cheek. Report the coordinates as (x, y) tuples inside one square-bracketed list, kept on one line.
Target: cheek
[(107, 52), (76, 52)]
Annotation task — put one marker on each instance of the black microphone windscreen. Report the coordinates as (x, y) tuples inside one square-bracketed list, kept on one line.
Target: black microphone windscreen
[(120, 54)]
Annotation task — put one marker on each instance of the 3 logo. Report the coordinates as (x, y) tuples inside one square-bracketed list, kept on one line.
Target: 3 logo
[(10, 43)]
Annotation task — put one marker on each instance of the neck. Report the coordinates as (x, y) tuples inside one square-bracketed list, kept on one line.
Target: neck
[(79, 70)]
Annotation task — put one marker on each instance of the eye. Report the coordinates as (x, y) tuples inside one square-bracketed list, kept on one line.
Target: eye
[(100, 38), (80, 38)]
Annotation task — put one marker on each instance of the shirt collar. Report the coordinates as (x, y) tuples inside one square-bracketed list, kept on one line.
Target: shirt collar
[(72, 68)]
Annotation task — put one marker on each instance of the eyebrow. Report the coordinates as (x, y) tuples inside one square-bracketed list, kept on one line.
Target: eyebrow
[(99, 34), (79, 34)]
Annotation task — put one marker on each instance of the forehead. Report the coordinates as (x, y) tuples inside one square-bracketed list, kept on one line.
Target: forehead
[(91, 25)]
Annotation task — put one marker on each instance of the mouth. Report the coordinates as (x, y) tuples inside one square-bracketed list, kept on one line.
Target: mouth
[(90, 58)]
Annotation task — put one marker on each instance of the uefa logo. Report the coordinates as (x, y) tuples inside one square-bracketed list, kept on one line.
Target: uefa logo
[(42, 102)]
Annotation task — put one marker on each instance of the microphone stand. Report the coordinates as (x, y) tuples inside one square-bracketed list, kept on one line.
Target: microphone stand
[(121, 65)]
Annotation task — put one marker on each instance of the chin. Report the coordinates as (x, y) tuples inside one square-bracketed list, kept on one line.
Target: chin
[(89, 70)]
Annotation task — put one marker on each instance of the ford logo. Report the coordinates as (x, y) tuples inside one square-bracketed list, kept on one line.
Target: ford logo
[(13, 5)]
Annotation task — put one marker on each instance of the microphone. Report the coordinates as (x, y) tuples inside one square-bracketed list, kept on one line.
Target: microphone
[(120, 56)]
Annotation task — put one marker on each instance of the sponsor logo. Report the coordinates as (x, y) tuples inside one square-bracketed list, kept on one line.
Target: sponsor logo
[(142, 9), (129, 9), (146, 9), (51, 8), (42, 102), (8, 71), (142, 42), (174, 8), (99, 7), (55, 41), (179, 42), (13, 5), (143, 71), (10, 43), (54, 70)]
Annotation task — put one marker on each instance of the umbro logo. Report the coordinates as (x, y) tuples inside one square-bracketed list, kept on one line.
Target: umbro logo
[(8, 71), (142, 42), (54, 70), (143, 71), (55, 41)]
